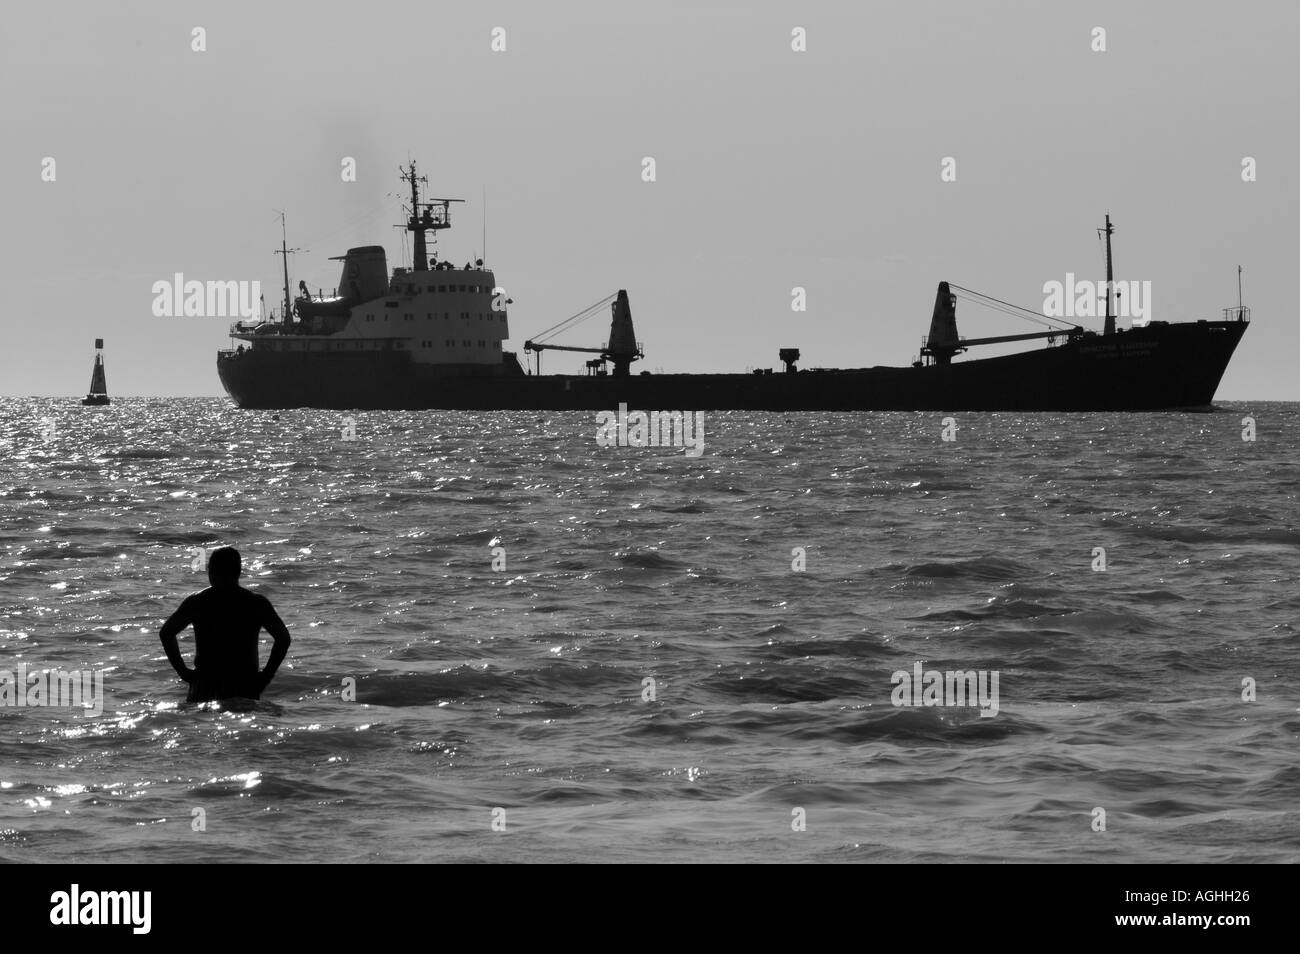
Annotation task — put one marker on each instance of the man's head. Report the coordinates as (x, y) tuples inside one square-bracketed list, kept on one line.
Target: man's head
[(224, 567)]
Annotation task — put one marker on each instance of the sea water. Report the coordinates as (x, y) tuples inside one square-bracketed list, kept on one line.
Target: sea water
[(513, 644)]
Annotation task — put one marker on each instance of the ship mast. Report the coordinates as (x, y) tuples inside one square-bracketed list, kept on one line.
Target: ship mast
[(285, 251), (429, 219), (421, 263), (1110, 279)]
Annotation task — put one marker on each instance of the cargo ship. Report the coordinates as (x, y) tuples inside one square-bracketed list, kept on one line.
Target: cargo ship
[(431, 336)]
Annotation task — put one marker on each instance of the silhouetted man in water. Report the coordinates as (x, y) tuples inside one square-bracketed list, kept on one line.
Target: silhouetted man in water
[(227, 621)]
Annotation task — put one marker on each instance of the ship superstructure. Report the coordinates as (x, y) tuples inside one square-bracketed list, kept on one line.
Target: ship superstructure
[(431, 315)]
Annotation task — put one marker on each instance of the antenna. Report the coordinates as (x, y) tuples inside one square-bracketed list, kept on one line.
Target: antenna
[(485, 258), (1239, 288)]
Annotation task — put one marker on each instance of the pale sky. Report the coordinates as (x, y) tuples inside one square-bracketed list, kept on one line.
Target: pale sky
[(774, 168)]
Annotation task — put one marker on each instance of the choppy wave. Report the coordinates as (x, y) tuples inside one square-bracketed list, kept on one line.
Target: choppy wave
[(639, 656)]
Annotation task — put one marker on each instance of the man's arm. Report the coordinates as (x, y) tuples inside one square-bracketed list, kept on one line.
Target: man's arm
[(170, 630), (272, 623)]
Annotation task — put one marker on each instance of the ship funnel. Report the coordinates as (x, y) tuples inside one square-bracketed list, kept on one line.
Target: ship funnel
[(622, 348), (365, 274), (943, 325)]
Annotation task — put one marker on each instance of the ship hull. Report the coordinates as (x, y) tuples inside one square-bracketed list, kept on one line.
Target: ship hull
[(1158, 367)]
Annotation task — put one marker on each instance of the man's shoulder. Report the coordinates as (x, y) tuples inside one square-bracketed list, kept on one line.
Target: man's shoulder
[(253, 596), (223, 593)]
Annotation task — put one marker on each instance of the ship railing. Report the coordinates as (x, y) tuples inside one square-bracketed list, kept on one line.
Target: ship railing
[(247, 327), (1236, 313)]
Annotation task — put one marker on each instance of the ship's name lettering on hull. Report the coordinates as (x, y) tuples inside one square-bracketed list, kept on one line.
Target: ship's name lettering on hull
[(1120, 350)]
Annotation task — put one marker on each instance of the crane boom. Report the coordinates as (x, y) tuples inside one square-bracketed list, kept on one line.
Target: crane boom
[(530, 346)]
